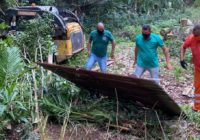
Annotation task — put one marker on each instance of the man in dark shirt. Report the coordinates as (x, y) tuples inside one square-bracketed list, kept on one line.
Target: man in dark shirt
[(97, 47)]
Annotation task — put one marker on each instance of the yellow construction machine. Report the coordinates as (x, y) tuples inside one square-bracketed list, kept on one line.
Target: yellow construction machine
[(68, 36)]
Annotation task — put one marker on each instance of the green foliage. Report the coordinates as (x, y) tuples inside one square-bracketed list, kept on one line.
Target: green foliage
[(8, 41), (78, 60), (35, 36), (128, 33), (79, 106), (167, 23), (197, 3), (65, 99), (193, 13), (47, 2), (192, 115), (118, 14), (17, 82), (14, 3), (13, 107), (10, 65), (174, 44), (11, 3), (177, 72), (3, 26)]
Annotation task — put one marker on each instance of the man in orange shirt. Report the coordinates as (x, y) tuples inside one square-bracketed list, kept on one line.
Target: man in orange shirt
[(193, 42)]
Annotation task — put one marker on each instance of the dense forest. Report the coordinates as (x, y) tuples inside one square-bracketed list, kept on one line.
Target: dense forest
[(37, 104), (112, 12)]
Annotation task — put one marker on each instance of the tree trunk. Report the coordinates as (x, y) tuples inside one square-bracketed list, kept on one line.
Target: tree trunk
[(35, 92), (42, 69)]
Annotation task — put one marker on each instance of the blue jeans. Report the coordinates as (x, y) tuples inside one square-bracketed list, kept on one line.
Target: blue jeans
[(154, 72), (102, 61)]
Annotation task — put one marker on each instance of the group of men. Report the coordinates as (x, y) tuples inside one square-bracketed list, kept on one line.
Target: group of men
[(146, 56)]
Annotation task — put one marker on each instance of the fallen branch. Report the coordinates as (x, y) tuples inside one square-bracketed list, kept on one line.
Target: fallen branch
[(164, 136), (117, 108), (119, 127)]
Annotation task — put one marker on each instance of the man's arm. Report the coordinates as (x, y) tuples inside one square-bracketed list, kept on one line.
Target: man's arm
[(182, 55), (112, 55), (167, 57), (136, 52), (89, 47)]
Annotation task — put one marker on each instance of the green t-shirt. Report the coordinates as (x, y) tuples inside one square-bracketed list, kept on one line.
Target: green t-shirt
[(147, 51), (100, 42)]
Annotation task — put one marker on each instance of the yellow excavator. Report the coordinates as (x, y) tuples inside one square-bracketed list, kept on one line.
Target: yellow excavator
[(68, 36)]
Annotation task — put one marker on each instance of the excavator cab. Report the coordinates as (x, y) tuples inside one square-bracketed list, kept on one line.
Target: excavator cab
[(68, 35)]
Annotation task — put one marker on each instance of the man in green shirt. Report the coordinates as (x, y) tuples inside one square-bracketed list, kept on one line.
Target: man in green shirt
[(97, 47), (146, 56)]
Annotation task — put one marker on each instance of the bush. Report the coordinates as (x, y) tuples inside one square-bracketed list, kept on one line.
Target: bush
[(13, 103), (197, 3)]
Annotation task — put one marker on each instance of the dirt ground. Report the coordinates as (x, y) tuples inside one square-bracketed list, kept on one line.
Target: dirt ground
[(86, 132)]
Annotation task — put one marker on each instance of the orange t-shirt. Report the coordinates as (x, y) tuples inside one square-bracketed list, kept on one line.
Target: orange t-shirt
[(194, 43)]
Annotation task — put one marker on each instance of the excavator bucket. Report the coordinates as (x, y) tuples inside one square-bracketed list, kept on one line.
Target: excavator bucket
[(142, 91)]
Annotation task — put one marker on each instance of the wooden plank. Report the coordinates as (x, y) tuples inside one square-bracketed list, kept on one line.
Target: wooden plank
[(146, 92)]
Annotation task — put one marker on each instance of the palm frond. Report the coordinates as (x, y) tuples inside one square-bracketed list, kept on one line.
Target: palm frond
[(10, 64)]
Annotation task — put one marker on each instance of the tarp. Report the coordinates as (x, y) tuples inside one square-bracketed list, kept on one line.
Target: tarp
[(146, 92)]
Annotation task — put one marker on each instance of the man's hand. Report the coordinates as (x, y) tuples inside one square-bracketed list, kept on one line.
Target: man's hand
[(136, 54), (134, 63), (192, 61), (112, 55), (89, 53), (167, 57), (89, 47), (183, 64)]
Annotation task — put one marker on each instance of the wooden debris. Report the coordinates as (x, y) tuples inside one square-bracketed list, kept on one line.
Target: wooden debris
[(110, 62), (189, 92), (119, 127)]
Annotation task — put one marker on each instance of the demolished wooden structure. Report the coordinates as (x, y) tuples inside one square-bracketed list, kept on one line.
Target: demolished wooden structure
[(146, 92)]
